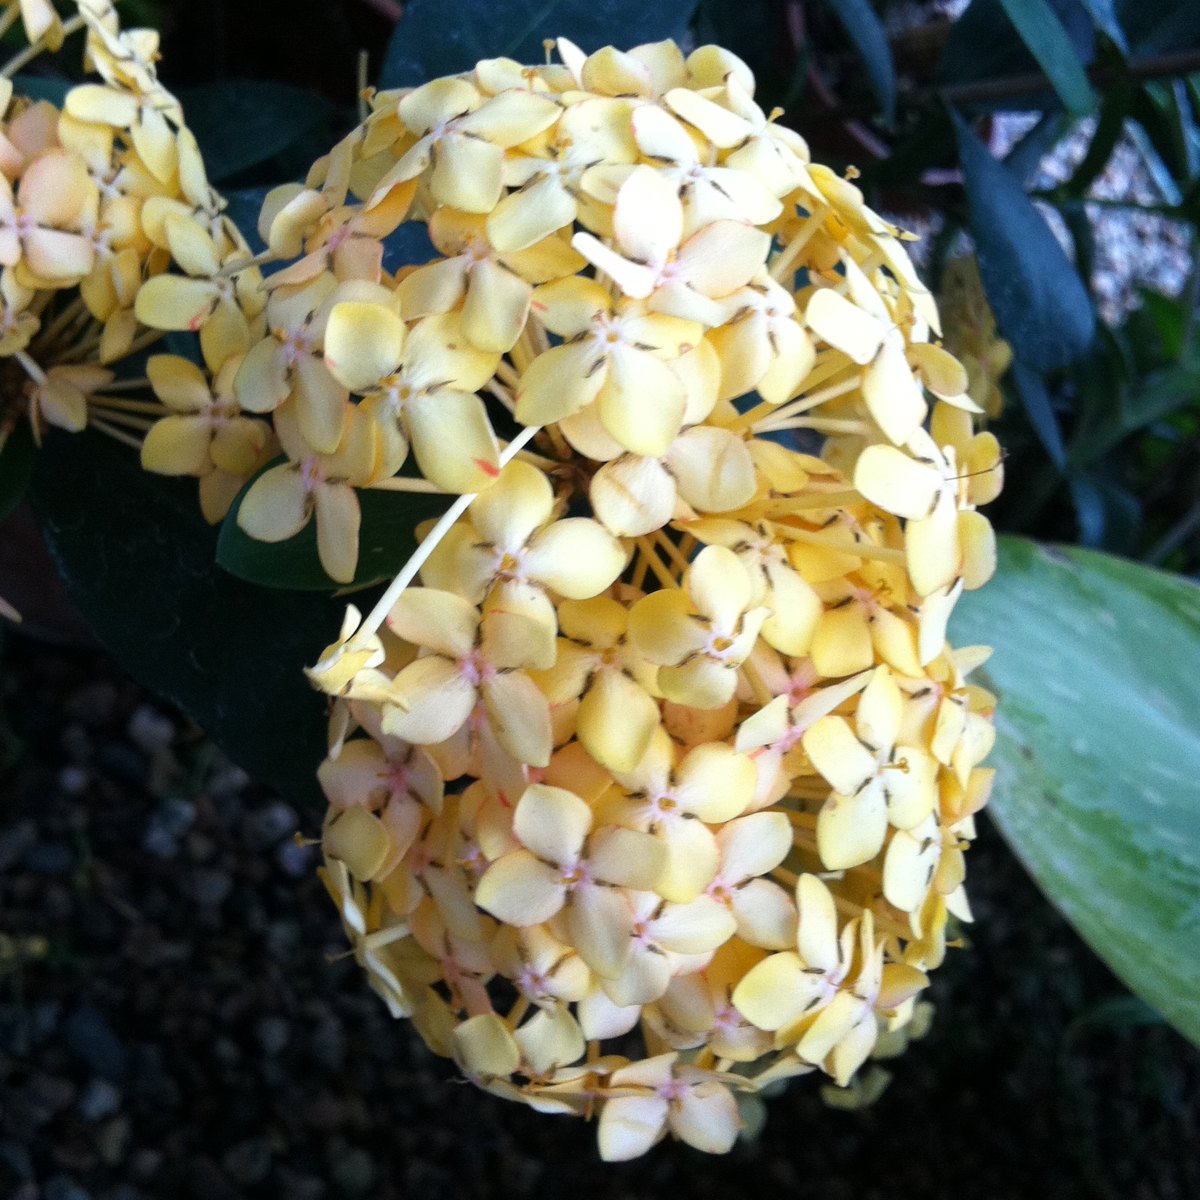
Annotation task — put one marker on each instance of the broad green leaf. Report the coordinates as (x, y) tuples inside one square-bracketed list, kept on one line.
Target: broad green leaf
[(241, 123), (387, 539), (866, 32), (1097, 667), (1048, 42), (138, 561), (1041, 304), (17, 456), (431, 40)]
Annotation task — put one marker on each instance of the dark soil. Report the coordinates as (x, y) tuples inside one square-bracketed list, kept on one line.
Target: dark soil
[(174, 1021)]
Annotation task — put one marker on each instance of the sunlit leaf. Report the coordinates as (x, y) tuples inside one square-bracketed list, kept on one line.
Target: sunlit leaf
[(1097, 666)]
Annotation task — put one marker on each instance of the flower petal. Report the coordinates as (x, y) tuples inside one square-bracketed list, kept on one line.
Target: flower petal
[(553, 823)]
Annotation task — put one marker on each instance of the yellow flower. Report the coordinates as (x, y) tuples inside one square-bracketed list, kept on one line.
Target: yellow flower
[(37, 227), (660, 1094), (61, 397), (282, 500), (701, 634), (468, 658), (205, 433), (677, 275)]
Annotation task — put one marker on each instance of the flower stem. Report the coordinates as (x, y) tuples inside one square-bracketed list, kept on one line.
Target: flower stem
[(377, 615), (26, 56)]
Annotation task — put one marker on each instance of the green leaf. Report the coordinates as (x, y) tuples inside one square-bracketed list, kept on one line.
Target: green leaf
[(17, 457), (137, 559), (1104, 16), (386, 541), (1109, 128), (1035, 400), (1162, 26), (429, 41), (1041, 304), (43, 87), (1043, 33), (984, 45), (1098, 756), (866, 32), (241, 123)]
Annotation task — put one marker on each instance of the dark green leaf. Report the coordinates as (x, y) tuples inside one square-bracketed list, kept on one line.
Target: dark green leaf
[(1041, 305), (757, 31), (430, 40), (1098, 756), (1035, 400), (138, 561), (1024, 159), (16, 467), (1160, 26), (43, 87), (866, 32), (984, 45), (1117, 1012), (1104, 15), (1109, 514), (387, 539), (242, 207), (1115, 108), (1170, 319), (241, 123), (1048, 42)]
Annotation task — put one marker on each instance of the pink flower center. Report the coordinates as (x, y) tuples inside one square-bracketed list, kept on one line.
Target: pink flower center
[(476, 669), (576, 875)]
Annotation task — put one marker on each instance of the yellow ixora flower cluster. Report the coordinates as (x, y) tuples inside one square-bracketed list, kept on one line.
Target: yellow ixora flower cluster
[(666, 746), (98, 201)]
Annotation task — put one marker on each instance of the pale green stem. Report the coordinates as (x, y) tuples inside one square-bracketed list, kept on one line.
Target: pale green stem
[(26, 56), (377, 615)]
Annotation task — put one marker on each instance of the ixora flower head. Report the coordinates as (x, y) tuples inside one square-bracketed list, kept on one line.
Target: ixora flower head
[(651, 774)]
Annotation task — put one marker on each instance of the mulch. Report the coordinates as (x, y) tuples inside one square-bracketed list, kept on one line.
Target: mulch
[(175, 1020)]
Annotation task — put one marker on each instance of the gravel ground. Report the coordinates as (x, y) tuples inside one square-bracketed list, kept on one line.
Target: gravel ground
[(175, 1022)]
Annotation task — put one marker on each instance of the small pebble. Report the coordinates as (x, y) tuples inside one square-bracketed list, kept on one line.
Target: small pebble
[(15, 842), (149, 729), (248, 1162), (265, 826), (209, 886), (353, 1171), (112, 1140), (74, 781), (100, 1099), (49, 858), (62, 1187), (295, 860), (90, 1036), (273, 1034)]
